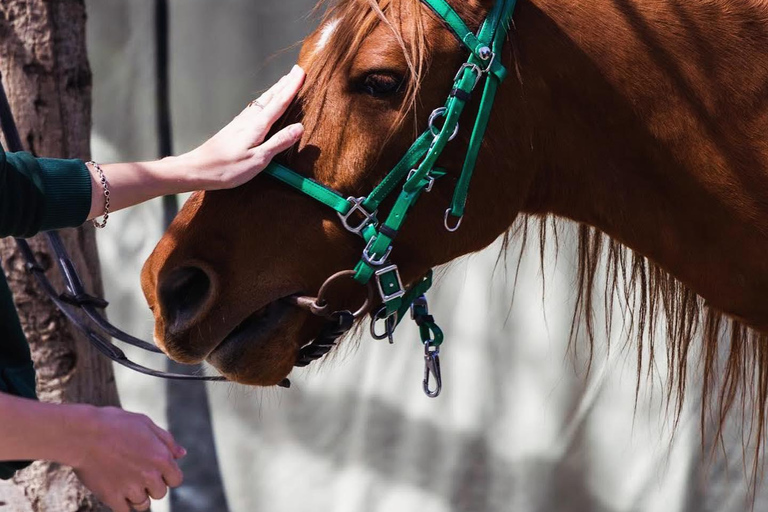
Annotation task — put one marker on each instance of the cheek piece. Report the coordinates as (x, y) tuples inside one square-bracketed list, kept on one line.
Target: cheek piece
[(413, 175)]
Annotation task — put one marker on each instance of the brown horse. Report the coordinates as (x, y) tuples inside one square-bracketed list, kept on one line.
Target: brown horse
[(643, 121)]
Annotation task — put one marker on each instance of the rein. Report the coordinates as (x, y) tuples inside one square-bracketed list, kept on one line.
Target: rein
[(417, 173)]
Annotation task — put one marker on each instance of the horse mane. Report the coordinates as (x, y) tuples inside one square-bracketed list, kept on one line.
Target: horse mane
[(733, 358)]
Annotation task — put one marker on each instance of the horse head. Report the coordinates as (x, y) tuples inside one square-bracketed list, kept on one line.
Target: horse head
[(220, 279)]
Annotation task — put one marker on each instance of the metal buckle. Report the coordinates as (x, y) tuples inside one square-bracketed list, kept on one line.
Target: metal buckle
[(386, 297), (357, 206), (429, 177), (438, 112), (375, 262), (479, 72)]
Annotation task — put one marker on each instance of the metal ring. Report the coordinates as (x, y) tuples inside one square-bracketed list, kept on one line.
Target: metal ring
[(255, 103), (452, 229), (388, 331), (322, 303), (438, 112)]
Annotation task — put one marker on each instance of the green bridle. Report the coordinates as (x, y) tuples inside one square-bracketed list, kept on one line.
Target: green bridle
[(417, 173)]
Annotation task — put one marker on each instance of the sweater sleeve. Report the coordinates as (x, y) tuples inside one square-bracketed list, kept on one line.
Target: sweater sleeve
[(38, 194)]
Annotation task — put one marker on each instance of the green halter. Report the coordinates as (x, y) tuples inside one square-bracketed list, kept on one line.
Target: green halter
[(417, 173)]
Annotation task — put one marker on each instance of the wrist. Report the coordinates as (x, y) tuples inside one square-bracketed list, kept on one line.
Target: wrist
[(78, 425)]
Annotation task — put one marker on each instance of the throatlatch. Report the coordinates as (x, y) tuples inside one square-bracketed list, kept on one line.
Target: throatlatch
[(417, 173)]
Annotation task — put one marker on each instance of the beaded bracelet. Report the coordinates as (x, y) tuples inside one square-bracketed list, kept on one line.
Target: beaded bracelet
[(105, 185)]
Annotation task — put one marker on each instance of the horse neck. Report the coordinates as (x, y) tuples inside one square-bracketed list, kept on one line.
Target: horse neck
[(647, 120)]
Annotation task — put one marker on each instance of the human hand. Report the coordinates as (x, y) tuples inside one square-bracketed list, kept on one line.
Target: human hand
[(239, 152), (123, 458)]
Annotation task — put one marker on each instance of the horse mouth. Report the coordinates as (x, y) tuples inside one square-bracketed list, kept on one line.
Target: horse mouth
[(255, 329)]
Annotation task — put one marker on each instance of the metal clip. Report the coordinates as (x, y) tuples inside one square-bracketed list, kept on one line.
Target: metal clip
[(390, 323), (432, 366), (431, 179), (357, 207)]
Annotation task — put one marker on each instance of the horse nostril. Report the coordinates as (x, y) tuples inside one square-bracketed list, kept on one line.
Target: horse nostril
[(183, 293)]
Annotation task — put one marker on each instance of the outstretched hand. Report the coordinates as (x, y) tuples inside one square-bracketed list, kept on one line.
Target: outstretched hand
[(239, 151)]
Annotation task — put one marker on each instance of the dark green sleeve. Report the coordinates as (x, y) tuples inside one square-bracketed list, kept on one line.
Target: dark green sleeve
[(38, 194)]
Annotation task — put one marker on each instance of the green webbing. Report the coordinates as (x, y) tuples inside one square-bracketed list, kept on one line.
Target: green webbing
[(400, 171), (309, 187), (473, 150), (498, 21)]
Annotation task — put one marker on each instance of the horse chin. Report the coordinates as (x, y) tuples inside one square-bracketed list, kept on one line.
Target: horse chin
[(262, 349)]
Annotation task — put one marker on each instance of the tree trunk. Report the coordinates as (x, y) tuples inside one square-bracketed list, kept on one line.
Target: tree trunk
[(44, 64)]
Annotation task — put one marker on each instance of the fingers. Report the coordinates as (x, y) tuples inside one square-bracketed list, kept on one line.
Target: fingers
[(156, 486), (281, 98), (260, 103), (278, 143), (177, 450), (138, 500)]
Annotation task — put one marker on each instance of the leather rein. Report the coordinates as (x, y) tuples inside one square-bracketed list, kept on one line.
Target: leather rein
[(417, 173)]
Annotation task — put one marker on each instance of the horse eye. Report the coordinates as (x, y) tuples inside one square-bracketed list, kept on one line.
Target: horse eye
[(381, 84)]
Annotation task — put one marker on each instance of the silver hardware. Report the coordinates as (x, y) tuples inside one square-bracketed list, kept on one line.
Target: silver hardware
[(479, 72), (390, 323), (439, 112), (386, 296), (357, 207), (490, 60), (485, 53), (430, 178), (432, 368), (375, 262), (455, 228)]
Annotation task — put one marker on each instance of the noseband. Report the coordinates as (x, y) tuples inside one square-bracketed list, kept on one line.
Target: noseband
[(417, 173)]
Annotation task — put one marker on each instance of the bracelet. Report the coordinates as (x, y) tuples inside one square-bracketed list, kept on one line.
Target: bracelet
[(105, 185)]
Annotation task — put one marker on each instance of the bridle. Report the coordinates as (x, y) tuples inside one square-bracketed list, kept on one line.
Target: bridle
[(417, 172)]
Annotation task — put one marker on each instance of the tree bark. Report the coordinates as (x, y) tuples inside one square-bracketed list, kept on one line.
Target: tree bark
[(48, 80)]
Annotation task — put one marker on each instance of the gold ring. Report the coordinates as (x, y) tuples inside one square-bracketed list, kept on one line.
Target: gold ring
[(143, 504)]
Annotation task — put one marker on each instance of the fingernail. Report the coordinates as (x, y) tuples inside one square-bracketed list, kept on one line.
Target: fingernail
[(296, 130), (296, 69), (182, 451)]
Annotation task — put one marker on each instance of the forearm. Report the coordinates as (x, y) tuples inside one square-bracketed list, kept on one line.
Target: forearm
[(32, 430), (134, 183)]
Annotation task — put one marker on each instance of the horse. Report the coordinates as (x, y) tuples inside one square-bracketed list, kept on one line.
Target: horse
[(643, 122)]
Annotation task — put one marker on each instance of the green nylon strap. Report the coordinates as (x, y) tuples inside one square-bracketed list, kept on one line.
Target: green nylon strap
[(416, 290), (309, 187), (478, 133), (417, 150), (500, 17)]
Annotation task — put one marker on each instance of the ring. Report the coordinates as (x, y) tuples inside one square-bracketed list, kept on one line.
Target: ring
[(143, 504), (255, 103)]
